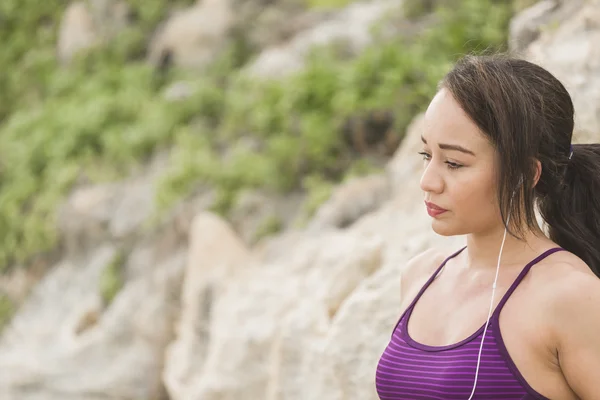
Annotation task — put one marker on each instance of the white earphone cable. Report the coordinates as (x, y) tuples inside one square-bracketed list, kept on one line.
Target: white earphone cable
[(490, 312)]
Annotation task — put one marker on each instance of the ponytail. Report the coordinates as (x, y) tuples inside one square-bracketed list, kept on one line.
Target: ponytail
[(573, 211)]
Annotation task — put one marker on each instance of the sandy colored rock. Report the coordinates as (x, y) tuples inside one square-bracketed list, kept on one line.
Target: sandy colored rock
[(86, 24), (351, 26), (570, 51), (352, 200), (194, 36), (77, 31), (215, 255)]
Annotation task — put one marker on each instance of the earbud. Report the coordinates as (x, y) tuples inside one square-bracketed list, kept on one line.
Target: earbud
[(521, 179)]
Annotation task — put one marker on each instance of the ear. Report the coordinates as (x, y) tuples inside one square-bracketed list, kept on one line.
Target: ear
[(538, 172)]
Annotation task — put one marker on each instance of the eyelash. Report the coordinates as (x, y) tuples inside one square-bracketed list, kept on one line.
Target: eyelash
[(451, 165)]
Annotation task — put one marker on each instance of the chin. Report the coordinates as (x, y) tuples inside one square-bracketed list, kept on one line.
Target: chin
[(442, 228)]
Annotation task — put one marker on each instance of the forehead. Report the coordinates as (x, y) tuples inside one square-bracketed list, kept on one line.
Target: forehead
[(446, 122)]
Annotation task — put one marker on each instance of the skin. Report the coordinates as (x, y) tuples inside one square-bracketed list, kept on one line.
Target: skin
[(551, 323)]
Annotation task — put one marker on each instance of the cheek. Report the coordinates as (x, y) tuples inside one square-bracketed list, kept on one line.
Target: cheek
[(474, 209), (477, 198)]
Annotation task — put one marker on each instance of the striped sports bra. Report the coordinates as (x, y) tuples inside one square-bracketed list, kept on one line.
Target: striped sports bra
[(408, 369)]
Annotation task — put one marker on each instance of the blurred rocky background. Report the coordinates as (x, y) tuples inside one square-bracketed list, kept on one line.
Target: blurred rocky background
[(214, 199)]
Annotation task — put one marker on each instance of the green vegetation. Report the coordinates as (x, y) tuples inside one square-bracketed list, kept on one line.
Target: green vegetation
[(112, 280), (418, 8), (296, 121), (519, 5), (319, 190), (7, 310), (268, 226), (106, 113)]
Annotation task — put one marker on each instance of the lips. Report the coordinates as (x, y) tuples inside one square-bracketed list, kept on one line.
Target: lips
[(434, 207), (434, 210)]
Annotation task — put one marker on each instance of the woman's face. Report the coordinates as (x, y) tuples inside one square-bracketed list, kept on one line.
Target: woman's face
[(459, 171)]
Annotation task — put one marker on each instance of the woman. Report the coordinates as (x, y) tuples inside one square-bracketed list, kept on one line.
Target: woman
[(512, 316)]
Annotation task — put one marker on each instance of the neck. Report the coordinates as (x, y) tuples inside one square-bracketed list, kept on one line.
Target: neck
[(483, 248)]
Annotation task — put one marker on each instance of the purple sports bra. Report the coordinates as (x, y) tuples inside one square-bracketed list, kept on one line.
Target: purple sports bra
[(410, 370)]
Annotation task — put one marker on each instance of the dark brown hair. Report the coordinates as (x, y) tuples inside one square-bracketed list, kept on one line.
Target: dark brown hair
[(527, 115)]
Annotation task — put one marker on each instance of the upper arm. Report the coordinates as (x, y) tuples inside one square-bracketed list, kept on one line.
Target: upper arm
[(578, 333)]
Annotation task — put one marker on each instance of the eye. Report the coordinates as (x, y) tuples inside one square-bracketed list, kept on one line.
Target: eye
[(425, 155), (452, 165)]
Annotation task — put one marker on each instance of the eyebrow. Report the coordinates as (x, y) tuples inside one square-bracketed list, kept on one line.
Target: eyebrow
[(446, 146)]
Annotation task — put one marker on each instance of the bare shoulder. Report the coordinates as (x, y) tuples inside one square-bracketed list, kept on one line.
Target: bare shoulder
[(572, 310), (420, 268), (564, 276), (568, 288)]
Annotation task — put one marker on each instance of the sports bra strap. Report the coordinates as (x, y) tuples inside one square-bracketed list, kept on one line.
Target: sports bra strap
[(425, 286), (433, 276), (504, 299), (522, 275)]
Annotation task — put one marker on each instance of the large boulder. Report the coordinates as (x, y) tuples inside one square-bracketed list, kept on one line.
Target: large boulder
[(352, 200), (215, 256), (569, 49), (195, 36), (351, 27), (192, 37), (66, 342), (115, 211), (86, 24)]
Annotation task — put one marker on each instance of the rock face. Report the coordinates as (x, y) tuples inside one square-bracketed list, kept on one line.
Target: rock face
[(257, 214), (192, 37), (88, 23), (305, 306), (112, 211), (283, 30), (77, 31), (216, 255), (352, 27), (568, 48), (303, 315), (64, 345), (352, 200)]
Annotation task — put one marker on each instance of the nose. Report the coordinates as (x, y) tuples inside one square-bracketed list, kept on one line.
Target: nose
[(431, 180)]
